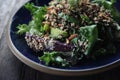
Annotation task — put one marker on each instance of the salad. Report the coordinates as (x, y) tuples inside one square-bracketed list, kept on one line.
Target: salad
[(68, 31)]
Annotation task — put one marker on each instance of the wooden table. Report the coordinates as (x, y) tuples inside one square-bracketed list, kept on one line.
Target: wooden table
[(13, 69)]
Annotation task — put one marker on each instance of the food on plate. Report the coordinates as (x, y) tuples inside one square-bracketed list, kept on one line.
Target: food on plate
[(67, 31)]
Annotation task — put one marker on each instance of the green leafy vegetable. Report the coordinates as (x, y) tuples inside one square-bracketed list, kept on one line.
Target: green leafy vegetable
[(46, 28), (89, 33), (48, 57), (35, 26), (75, 41), (85, 18), (22, 29), (68, 18), (38, 15), (85, 30), (73, 3), (55, 33), (73, 20), (100, 52), (105, 50), (31, 7), (53, 57)]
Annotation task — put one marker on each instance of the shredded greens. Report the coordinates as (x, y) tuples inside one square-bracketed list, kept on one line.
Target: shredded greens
[(35, 26)]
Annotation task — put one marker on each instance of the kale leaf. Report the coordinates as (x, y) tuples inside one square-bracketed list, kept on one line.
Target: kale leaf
[(89, 33), (35, 26), (54, 59)]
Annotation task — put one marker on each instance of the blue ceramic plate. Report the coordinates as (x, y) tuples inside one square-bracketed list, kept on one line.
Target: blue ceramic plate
[(25, 54)]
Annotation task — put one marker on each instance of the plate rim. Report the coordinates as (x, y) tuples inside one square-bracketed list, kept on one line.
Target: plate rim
[(52, 70)]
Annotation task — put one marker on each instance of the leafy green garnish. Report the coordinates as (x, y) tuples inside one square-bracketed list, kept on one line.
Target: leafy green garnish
[(48, 57), (55, 33), (53, 58), (31, 7), (22, 29), (100, 52), (89, 33), (35, 26), (73, 3), (73, 20), (68, 18), (84, 17), (38, 15), (46, 28), (75, 41), (105, 50)]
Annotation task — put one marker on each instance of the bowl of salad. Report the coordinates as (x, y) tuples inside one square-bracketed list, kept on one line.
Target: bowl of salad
[(67, 37)]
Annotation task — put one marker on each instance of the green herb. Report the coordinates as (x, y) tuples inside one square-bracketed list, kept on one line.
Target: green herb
[(55, 33), (68, 18), (105, 50), (46, 28), (38, 15), (111, 49), (31, 7), (88, 36), (73, 20), (75, 41), (99, 52), (85, 18), (23, 28), (53, 58), (35, 26), (48, 57), (73, 3), (89, 33)]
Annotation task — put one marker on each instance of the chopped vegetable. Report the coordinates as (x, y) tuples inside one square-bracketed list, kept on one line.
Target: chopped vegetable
[(22, 29), (89, 33), (69, 31), (57, 33)]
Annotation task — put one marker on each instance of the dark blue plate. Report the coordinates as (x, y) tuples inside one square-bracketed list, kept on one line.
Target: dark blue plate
[(24, 53)]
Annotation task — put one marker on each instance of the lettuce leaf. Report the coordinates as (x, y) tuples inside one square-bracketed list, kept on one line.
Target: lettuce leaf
[(56, 32), (35, 26), (89, 33)]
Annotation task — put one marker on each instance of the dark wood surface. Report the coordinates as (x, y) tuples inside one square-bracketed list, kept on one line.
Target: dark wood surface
[(13, 69)]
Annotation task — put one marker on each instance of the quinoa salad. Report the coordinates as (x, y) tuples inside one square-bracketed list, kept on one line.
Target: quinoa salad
[(65, 32)]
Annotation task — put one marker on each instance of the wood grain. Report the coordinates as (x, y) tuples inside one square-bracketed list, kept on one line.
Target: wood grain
[(9, 64), (7, 9)]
